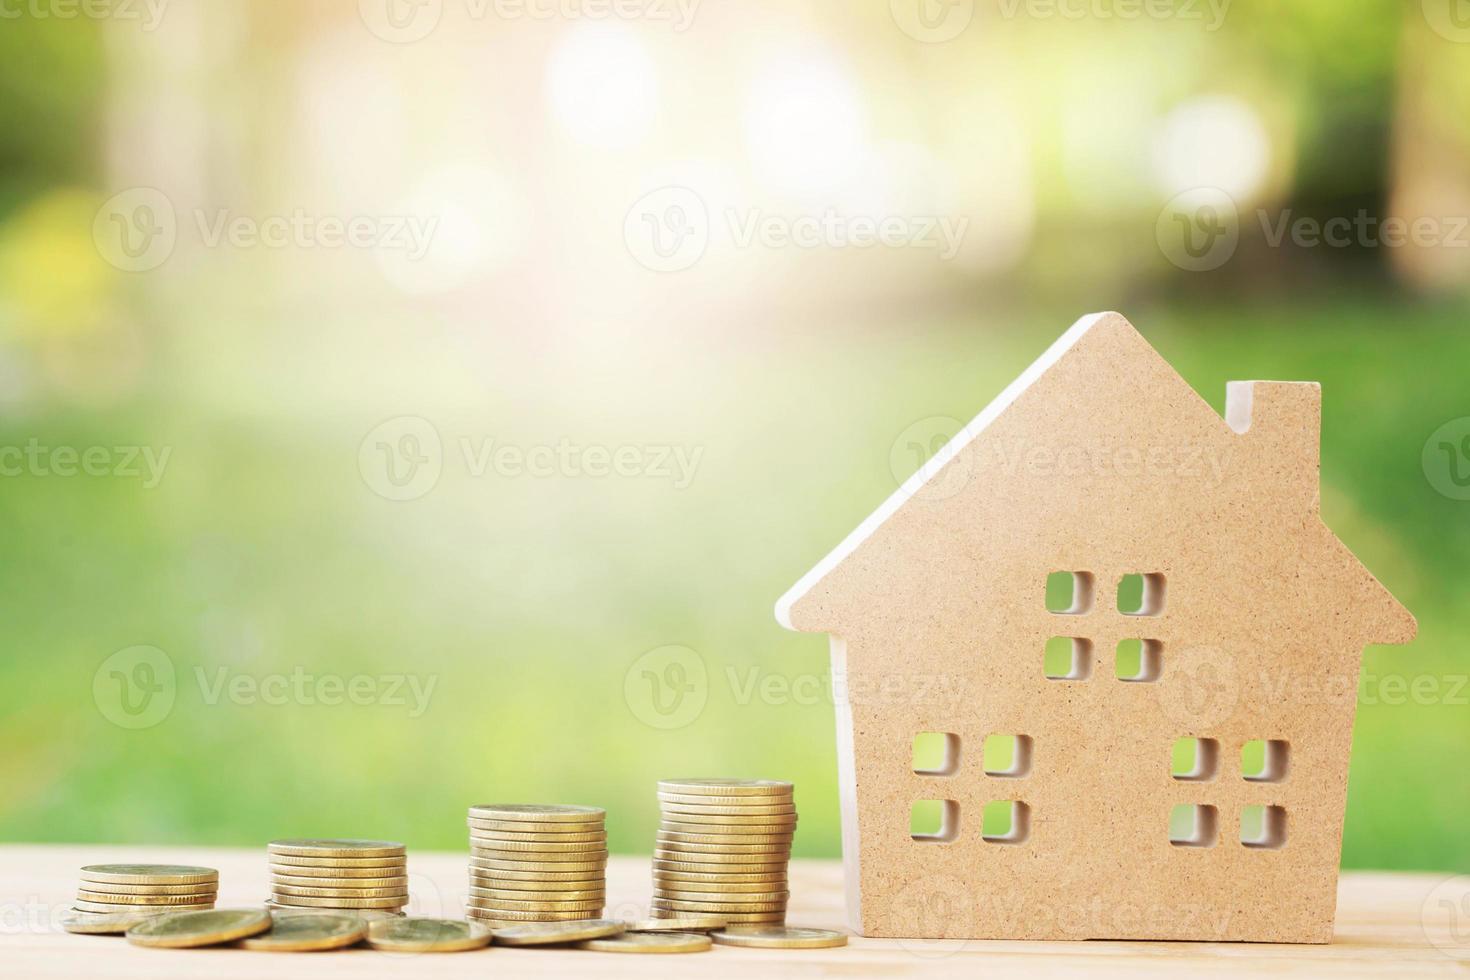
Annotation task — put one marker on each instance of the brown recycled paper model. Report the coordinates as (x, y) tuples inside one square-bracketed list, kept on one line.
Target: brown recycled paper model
[(1192, 787)]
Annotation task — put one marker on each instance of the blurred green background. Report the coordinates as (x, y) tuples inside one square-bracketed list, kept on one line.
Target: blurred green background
[(791, 378)]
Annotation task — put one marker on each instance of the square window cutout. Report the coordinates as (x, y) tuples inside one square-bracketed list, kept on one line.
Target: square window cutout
[(1069, 593), (1194, 825), (1067, 658), (1007, 755), (1141, 594), (1005, 822), (1263, 826), (936, 754), (1264, 760), (934, 821), (1138, 660), (1195, 760)]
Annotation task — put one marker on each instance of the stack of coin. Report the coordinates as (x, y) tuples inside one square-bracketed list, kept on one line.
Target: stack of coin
[(139, 890), (723, 847), (364, 876), (533, 863)]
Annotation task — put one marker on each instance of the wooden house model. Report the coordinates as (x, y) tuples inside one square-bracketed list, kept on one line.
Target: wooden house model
[(1125, 647)]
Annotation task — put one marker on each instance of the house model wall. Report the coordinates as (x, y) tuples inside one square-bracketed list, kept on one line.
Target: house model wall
[(1191, 787)]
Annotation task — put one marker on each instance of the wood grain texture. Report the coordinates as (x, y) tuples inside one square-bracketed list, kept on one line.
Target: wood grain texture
[(1387, 925), (1100, 460)]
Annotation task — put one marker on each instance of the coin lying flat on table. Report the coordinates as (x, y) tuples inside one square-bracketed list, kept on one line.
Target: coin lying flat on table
[(308, 933), (123, 888), (320, 871), (688, 923), (308, 901), (428, 935), (105, 923), (306, 881), (781, 938), (505, 917), (295, 860), (725, 787), (150, 874), (537, 826), (185, 930), (118, 898), (82, 905), (366, 915), (302, 847), (650, 942), (547, 933), (538, 812)]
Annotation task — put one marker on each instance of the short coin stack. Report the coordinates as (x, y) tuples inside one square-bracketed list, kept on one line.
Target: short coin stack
[(723, 847), (365, 876), (140, 890), (536, 863)]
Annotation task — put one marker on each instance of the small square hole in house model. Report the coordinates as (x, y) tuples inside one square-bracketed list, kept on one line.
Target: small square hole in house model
[(936, 753), (1263, 826), (1069, 593), (1007, 755), (1264, 760), (1195, 760), (1194, 825), (1141, 594), (1138, 660), (1005, 822), (1067, 658), (934, 821)]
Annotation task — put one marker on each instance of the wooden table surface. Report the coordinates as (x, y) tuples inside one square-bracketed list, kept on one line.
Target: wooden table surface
[(1387, 924)]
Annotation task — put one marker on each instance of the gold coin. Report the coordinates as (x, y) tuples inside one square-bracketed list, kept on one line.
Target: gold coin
[(393, 891), (482, 880), (302, 847), (186, 930), (725, 787), (297, 860), (732, 820), (735, 805), (502, 915), (731, 897), (310, 902), (120, 888), (537, 846), (576, 895), (537, 812), (513, 871), (548, 905), (496, 838), (85, 905), (704, 860), (783, 938), (758, 831), (688, 923), (366, 915), (722, 888), (722, 880), (741, 839), (308, 933), (546, 933), (739, 920), (149, 874), (112, 898), (752, 851), (339, 874), (105, 923), (650, 942), (306, 881), (680, 905), (572, 858), (427, 935), (538, 826)]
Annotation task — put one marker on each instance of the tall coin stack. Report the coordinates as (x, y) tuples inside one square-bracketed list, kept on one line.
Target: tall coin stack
[(723, 849), (537, 863), (365, 876), (145, 889)]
